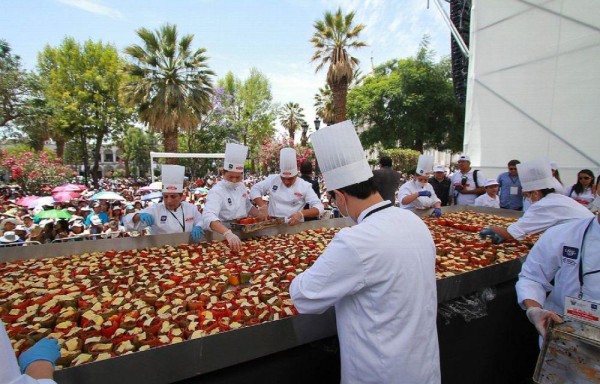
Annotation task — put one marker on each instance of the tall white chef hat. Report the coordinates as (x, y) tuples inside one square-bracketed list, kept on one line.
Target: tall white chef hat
[(535, 175), (288, 165), (235, 157), (424, 165), (172, 178), (340, 156)]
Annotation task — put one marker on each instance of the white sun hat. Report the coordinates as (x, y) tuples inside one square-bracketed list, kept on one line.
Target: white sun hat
[(9, 237), (535, 175), (340, 156), (490, 182), (172, 178), (235, 157), (288, 164), (439, 168), (424, 165)]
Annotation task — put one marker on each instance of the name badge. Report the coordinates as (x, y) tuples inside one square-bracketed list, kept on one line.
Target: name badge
[(514, 190), (582, 310)]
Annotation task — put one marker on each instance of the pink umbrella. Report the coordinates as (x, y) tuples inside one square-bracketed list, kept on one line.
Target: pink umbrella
[(65, 196), (70, 188), (27, 200)]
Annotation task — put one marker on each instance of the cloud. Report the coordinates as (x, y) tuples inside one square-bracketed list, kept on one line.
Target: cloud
[(92, 7)]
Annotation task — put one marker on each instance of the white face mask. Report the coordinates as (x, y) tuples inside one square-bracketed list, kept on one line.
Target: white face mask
[(419, 184), (230, 185), (349, 220)]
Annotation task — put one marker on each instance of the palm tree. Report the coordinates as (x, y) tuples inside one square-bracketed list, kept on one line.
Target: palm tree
[(291, 117), (334, 35), (169, 84)]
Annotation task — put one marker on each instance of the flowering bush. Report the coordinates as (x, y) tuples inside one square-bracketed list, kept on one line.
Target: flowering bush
[(35, 171), (268, 157)]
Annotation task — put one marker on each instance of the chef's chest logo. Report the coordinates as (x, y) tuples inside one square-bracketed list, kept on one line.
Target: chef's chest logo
[(274, 188), (298, 194), (189, 219), (244, 196), (229, 201), (570, 254), (163, 219)]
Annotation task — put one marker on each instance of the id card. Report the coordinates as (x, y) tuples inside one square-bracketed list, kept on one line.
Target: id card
[(583, 310), (514, 190)]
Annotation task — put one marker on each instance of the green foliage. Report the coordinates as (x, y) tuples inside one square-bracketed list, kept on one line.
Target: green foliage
[(168, 83), (409, 103), (13, 85), (291, 116), (137, 145), (403, 160)]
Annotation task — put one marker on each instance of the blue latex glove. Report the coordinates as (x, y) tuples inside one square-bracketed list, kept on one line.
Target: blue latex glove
[(486, 233), (45, 349), (497, 239), (437, 212), (197, 233), (425, 193), (146, 218)]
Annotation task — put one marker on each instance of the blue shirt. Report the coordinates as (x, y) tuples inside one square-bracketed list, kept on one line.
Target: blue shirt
[(508, 200), (102, 216)]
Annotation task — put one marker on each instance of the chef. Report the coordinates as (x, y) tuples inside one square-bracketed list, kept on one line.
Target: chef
[(172, 215), (565, 261), (229, 198), (287, 192), (35, 365), (418, 193), (378, 274), (547, 208)]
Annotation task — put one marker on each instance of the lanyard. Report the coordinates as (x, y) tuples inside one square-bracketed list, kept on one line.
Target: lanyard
[(581, 274), (378, 209), (175, 217)]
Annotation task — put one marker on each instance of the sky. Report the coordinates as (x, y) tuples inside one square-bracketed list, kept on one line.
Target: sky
[(270, 35)]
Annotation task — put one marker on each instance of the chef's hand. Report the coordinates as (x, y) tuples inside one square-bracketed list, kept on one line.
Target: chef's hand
[(234, 242), (46, 349), (197, 233), (437, 212), (425, 193), (263, 212), (497, 239), (539, 317), (147, 219), (486, 233), (295, 218)]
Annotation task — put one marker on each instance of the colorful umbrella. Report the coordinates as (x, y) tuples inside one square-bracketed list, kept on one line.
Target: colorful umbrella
[(69, 188), (107, 195), (65, 196), (53, 214), (27, 200), (201, 190), (157, 185), (46, 200)]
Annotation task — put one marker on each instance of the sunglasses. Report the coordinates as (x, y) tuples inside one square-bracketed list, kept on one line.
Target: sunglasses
[(585, 178)]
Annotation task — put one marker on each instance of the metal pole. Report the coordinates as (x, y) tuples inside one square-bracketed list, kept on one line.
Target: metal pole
[(457, 37)]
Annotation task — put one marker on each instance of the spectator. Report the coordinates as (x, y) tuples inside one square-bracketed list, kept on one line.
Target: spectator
[(8, 225), (490, 197), (584, 190), (386, 179), (10, 238), (595, 204), (441, 184), (97, 213), (466, 183), (22, 232), (114, 230), (77, 229), (306, 174), (511, 193), (557, 182)]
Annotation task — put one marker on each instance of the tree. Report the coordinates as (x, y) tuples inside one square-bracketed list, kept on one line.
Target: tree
[(403, 160), (324, 98), (333, 37), (137, 145), (252, 112), (269, 153), (291, 117), (81, 84), (169, 83), (409, 103), (13, 86)]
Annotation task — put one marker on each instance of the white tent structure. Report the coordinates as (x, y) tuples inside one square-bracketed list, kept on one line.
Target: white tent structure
[(534, 84), (154, 155)]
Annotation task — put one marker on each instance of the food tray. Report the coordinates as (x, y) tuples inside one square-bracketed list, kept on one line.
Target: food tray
[(248, 228), (570, 354)]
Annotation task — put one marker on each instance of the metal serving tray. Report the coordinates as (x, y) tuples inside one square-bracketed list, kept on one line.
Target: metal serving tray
[(195, 357)]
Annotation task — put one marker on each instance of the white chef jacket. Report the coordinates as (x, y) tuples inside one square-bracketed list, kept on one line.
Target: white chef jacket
[(380, 276), (461, 198), (558, 187), (556, 256), (421, 202), (486, 200), (284, 201), (166, 221), (549, 211), (225, 204), (9, 368)]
